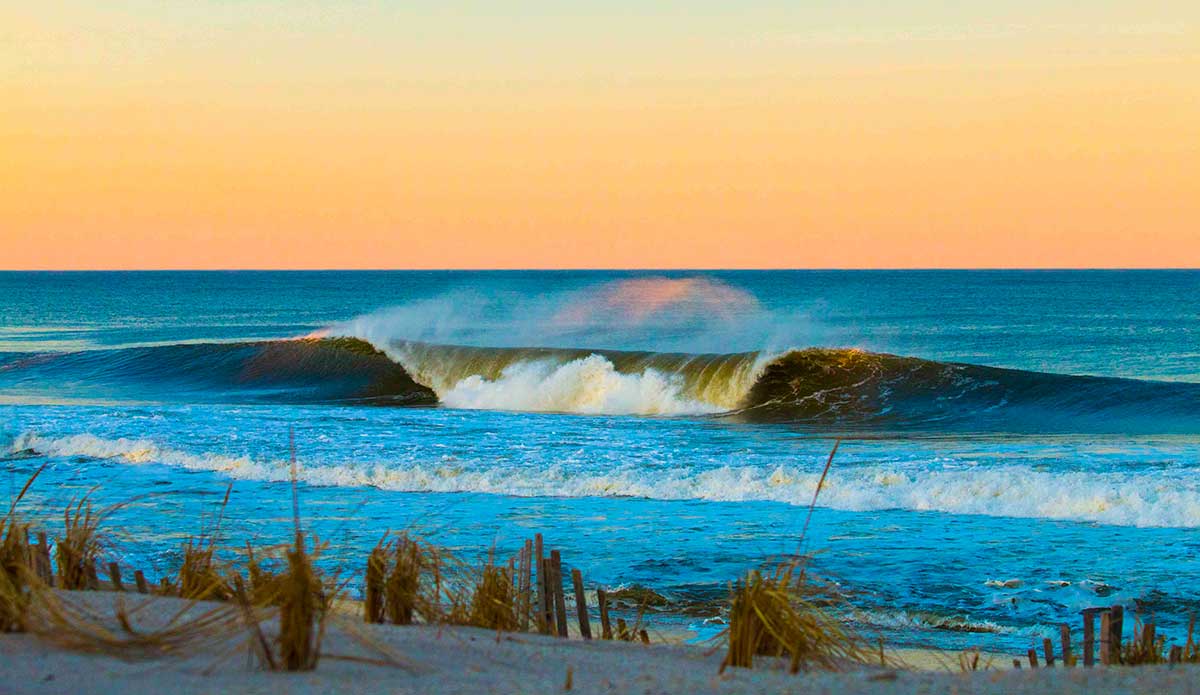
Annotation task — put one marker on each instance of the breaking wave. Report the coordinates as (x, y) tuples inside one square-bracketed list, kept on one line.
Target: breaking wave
[(829, 388), (1151, 498)]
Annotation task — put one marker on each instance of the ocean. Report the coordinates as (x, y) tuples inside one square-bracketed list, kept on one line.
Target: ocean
[(1015, 445)]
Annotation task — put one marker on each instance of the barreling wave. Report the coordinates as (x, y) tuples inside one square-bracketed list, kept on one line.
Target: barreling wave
[(1144, 498), (829, 388)]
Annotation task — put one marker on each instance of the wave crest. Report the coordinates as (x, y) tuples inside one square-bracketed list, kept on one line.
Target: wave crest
[(834, 389)]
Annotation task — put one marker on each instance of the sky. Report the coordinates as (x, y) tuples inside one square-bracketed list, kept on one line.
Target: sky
[(599, 134)]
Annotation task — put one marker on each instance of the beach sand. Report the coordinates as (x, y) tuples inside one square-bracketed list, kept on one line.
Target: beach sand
[(469, 660)]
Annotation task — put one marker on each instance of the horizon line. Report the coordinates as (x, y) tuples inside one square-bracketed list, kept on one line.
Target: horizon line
[(601, 269)]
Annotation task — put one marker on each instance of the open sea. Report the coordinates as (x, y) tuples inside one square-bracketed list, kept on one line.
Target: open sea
[(1016, 445)]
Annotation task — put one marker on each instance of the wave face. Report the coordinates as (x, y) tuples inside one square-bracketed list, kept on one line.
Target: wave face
[(286, 371), (829, 388)]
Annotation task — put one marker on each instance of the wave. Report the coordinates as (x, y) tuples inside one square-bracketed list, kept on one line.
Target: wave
[(832, 389), (1151, 498), (294, 371)]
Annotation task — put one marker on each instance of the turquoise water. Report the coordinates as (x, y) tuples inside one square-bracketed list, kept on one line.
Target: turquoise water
[(662, 429)]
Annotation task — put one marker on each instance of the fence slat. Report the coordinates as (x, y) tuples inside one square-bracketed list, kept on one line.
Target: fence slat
[(1118, 627), (524, 584), (114, 576), (560, 599), (1089, 638), (1065, 634), (585, 623), (605, 625), (139, 578), (544, 602), (1105, 638)]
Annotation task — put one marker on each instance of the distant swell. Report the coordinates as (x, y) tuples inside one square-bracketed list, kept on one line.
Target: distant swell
[(1151, 498), (826, 388)]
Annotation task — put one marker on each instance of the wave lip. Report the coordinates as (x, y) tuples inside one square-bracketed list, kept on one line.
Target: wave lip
[(1150, 499)]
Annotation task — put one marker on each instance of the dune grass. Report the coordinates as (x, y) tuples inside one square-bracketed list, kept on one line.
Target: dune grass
[(782, 614), (78, 550), (16, 573), (493, 602)]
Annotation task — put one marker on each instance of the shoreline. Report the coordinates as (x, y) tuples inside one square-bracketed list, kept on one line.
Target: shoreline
[(434, 658)]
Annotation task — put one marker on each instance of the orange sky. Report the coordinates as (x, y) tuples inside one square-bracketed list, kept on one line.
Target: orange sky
[(350, 135)]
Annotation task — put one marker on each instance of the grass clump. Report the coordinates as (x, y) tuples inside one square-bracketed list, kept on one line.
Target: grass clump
[(303, 607), (200, 577), (406, 579), (14, 575), (402, 585), (78, 550), (782, 615), (17, 578), (493, 603)]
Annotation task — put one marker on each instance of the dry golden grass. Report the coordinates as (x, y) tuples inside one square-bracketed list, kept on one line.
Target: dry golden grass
[(71, 623), (402, 585), (16, 573), (784, 615), (200, 576), (971, 659), (303, 607), (493, 603), (263, 582), (1146, 647), (409, 580), (78, 550), (373, 585)]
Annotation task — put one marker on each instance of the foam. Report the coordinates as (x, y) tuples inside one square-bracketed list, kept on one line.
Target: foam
[(590, 385), (1159, 498)]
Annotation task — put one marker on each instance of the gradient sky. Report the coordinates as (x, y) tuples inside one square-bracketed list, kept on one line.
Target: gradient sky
[(299, 134)]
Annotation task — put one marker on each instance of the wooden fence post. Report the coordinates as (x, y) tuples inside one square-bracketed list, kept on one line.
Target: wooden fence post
[(560, 598), (605, 625), (1105, 638), (1065, 633), (524, 585), (140, 578), (585, 623), (1089, 637), (1118, 626), (1048, 649), (114, 576), (1032, 654), (544, 604)]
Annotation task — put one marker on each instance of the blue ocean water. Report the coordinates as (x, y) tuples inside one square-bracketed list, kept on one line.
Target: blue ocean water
[(1003, 431)]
